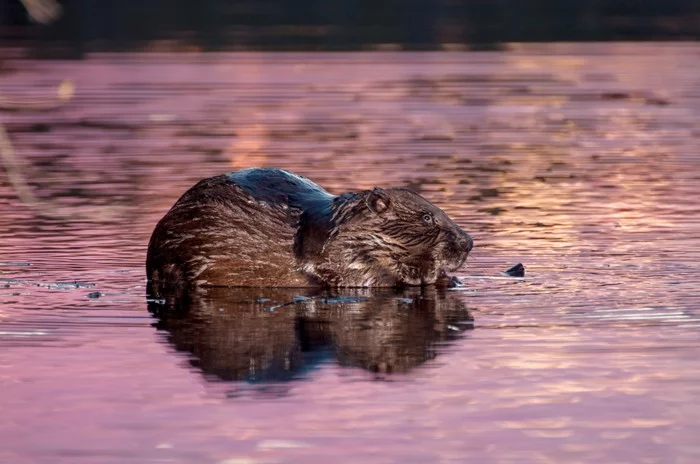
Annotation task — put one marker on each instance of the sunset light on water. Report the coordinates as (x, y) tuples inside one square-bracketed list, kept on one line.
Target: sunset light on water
[(581, 161)]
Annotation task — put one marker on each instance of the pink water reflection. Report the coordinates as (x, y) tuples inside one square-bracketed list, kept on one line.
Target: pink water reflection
[(591, 358)]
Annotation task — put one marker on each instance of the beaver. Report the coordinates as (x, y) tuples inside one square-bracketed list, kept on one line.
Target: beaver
[(266, 227)]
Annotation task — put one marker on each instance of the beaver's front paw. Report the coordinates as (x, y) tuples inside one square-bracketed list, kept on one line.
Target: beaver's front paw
[(446, 281)]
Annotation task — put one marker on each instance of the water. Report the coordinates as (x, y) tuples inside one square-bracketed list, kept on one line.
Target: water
[(581, 162)]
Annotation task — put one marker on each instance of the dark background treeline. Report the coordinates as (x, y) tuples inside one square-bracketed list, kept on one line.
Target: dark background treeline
[(346, 24)]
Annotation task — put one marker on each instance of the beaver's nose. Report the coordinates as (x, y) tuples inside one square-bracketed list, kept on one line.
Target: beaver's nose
[(470, 243), (466, 242)]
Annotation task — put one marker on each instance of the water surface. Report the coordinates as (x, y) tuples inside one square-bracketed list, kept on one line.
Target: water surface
[(582, 162)]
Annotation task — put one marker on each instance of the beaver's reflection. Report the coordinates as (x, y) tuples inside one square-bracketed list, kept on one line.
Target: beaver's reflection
[(277, 334)]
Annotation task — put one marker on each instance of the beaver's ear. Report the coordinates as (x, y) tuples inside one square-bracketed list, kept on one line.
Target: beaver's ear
[(377, 200)]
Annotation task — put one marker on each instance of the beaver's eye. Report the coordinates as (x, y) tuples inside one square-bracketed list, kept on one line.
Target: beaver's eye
[(428, 218)]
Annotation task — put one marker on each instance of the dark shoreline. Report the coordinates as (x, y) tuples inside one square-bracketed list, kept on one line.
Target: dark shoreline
[(344, 25)]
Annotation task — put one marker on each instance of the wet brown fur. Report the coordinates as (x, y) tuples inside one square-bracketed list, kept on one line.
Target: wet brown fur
[(271, 228)]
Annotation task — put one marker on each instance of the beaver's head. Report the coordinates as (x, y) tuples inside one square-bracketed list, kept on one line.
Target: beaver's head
[(395, 234)]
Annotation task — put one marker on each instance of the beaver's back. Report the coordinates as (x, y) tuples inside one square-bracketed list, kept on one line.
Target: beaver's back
[(279, 187), (236, 229)]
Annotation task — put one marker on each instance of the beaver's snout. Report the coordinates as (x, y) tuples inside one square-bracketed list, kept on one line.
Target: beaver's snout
[(468, 243), (461, 244)]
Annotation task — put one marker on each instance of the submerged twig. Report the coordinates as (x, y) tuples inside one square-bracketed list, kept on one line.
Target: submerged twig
[(14, 175), (12, 166), (7, 153)]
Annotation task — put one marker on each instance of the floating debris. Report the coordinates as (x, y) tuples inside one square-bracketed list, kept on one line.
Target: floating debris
[(296, 299), (344, 299), (276, 307), (63, 285), (516, 271)]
